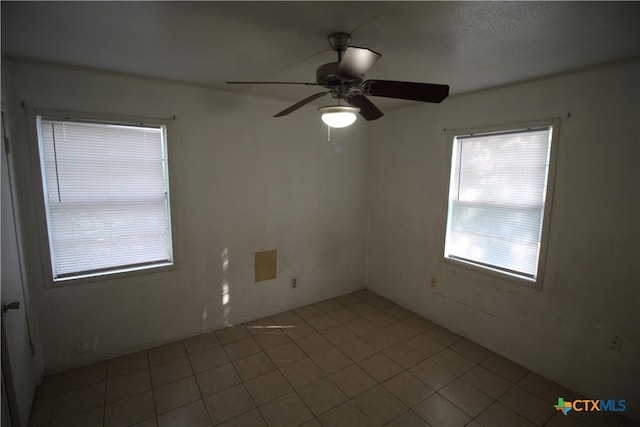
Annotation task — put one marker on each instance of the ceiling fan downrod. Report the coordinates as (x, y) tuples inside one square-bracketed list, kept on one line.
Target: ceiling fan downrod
[(339, 42)]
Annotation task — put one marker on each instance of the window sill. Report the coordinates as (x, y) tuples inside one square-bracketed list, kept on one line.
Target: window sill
[(112, 275), (533, 283)]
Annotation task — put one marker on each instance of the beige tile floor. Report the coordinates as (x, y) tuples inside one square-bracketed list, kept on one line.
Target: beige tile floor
[(354, 360)]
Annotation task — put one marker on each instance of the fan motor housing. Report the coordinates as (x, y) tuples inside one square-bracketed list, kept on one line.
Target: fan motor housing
[(327, 75)]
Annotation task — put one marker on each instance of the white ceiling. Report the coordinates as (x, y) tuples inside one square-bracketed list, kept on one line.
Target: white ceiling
[(468, 45)]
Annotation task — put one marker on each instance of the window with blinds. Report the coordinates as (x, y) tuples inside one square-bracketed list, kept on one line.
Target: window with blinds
[(497, 197), (106, 197)]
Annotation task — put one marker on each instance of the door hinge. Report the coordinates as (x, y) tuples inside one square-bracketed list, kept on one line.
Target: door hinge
[(7, 147)]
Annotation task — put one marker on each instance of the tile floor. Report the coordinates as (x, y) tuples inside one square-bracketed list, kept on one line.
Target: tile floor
[(354, 360)]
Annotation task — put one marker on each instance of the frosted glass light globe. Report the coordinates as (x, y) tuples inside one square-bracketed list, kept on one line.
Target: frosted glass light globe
[(338, 116)]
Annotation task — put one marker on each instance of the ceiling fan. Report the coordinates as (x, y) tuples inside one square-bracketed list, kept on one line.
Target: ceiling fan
[(344, 81)]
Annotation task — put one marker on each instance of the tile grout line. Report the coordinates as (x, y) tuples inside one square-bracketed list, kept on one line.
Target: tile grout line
[(195, 378), (153, 396)]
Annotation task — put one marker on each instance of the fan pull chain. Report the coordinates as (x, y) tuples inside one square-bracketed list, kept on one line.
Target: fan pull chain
[(328, 133)]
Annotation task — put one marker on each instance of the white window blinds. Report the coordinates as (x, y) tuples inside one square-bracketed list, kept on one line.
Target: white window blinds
[(496, 200), (106, 195)]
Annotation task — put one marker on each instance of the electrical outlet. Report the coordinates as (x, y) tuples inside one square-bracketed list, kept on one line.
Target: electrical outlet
[(434, 281), (81, 346), (616, 343), (294, 282)]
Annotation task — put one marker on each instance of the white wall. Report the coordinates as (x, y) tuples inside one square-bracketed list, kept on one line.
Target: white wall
[(243, 181), (240, 182), (591, 289)]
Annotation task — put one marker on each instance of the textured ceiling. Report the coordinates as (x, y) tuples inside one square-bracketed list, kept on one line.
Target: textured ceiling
[(468, 45)]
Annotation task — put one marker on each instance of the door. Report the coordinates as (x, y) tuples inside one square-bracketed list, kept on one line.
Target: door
[(18, 373)]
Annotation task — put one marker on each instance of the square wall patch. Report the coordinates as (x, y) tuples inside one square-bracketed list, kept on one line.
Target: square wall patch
[(266, 262)]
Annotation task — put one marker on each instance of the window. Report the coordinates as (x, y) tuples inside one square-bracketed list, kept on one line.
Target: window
[(497, 193), (106, 197)]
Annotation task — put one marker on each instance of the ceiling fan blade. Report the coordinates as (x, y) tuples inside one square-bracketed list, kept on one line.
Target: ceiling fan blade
[(367, 109), (299, 104), (356, 61), (425, 92), (273, 83)]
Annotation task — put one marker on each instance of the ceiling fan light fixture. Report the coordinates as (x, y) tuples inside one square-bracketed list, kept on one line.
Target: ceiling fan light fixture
[(338, 116)]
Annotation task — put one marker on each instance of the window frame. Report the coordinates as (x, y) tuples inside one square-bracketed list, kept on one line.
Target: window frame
[(536, 282), (50, 281)]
